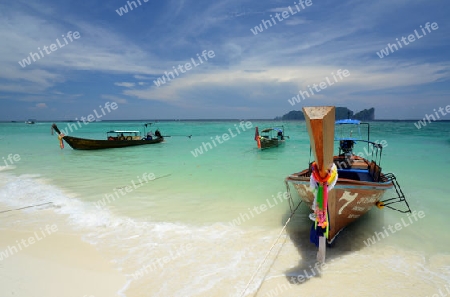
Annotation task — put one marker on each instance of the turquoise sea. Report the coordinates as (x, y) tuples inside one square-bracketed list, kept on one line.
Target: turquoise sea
[(193, 226)]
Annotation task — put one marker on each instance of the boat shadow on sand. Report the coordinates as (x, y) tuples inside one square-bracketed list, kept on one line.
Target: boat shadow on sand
[(350, 239)]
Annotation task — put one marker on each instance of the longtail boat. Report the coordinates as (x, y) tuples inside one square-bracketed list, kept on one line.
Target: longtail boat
[(114, 139), (341, 188), (270, 137)]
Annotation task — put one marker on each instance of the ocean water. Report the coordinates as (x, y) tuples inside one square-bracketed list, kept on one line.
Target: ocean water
[(191, 229)]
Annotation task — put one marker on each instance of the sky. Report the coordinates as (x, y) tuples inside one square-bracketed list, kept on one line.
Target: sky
[(119, 55)]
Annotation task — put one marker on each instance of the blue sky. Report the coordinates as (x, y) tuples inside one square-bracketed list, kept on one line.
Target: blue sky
[(117, 58)]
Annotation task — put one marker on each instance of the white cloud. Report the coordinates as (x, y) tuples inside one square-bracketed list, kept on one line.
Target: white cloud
[(114, 98), (292, 79), (295, 21), (125, 84), (301, 50), (141, 77)]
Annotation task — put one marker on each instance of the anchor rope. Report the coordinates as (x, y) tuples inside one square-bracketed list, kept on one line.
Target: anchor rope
[(271, 248), (25, 207)]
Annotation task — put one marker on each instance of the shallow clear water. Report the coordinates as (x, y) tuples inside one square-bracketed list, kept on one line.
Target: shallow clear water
[(190, 212)]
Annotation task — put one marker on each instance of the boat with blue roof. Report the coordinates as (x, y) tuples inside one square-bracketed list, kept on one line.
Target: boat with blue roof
[(354, 182), (270, 137)]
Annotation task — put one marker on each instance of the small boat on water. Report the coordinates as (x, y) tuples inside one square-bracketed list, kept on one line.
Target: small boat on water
[(114, 139), (30, 121), (342, 188), (270, 137)]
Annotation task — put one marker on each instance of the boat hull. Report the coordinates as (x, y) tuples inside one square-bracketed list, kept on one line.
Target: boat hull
[(348, 201), (268, 143), (92, 144)]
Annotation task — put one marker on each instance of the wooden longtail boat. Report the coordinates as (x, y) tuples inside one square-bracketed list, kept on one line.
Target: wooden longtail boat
[(270, 137), (360, 183), (115, 139)]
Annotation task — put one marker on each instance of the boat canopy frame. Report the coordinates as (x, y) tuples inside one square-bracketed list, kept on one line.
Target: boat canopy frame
[(124, 131), (343, 123), (269, 132)]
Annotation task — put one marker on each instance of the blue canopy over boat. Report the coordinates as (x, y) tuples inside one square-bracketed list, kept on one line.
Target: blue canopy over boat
[(348, 121)]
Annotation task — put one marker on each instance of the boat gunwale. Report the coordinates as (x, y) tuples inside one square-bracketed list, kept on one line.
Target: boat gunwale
[(109, 141), (94, 144), (303, 177), (350, 184), (123, 131)]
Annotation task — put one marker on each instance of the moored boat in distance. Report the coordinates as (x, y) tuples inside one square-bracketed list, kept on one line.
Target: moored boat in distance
[(360, 183), (114, 139), (270, 137), (30, 121)]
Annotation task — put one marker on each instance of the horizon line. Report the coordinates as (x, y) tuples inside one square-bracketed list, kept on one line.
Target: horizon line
[(178, 120)]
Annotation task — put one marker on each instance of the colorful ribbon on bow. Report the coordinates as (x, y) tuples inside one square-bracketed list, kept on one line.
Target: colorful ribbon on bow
[(322, 185)]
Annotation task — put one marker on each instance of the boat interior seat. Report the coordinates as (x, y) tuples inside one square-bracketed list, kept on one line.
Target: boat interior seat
[(355, 174), (348, 174)]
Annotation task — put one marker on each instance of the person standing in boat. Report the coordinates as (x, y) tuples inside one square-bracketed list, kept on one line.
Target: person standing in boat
[(280, 135), (149, 135)]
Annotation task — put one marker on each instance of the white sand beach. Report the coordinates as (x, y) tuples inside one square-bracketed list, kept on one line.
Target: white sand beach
[(60, 264)]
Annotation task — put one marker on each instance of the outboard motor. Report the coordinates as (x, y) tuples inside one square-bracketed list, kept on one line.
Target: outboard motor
[(346, 146)]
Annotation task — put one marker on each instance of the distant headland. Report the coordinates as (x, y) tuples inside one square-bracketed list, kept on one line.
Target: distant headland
[(341, 113)]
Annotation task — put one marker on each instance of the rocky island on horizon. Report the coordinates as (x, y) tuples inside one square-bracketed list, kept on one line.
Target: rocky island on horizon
[(341, 113)]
